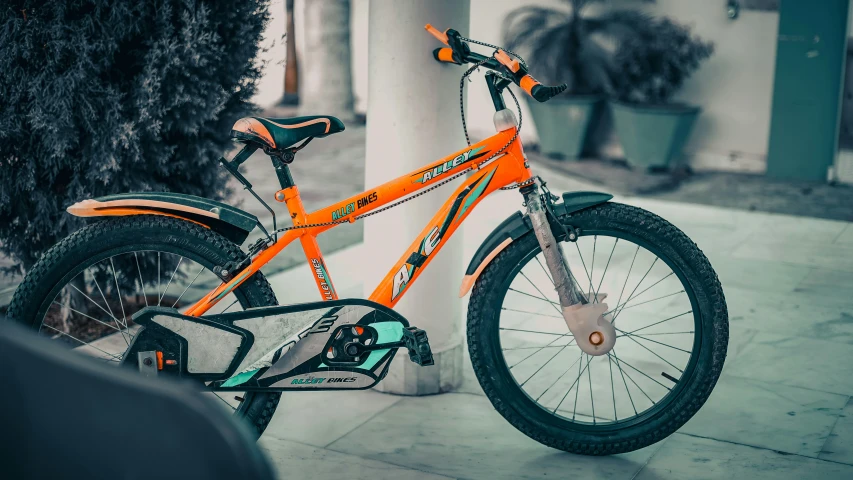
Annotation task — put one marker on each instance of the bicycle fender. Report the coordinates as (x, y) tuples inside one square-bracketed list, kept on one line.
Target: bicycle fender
[(231, 222), (516, 226)]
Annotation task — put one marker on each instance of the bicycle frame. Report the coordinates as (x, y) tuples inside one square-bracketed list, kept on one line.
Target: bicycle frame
[(508, 168)]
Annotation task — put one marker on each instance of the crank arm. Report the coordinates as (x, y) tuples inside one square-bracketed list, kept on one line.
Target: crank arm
[(414, 339)]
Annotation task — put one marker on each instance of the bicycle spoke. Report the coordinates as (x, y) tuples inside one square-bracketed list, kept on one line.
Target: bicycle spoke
[(597, 290), (583, 263), (102, 308), (635, 288), (118, 292), (591, 399), (158, 274), (534, 331), (559, 377), (641, 373), (87, 316), (531, 313), (224, 401), (229, 306), (170, 281), (544, 270), (629, 275), (96, 303), (97, 284), (570, 387), (612, 387), (537, 289), (545, 364), (632, 380), (631, 336), (578, 391), (141, 281), (643, 303), (534, 296), (550, 345), (117, 357), (664, 333), (630, 397), (632, 297), (529, 348), (657, 323), (201, 269), (592, 266)]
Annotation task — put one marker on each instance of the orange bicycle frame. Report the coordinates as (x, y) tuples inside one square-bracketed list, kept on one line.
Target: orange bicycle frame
[(508, 168)]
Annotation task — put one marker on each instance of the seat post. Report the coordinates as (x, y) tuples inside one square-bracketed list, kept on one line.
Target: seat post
[(282, 171)]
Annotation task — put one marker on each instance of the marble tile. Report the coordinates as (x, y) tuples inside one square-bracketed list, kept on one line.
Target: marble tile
[(759, 275), (469, 383), (797, 252), (839, 445), (294, 460), (772, 416), (796, 361), (788, 227), (461, 435), (827, 283), (297, 418), (683, 456), (846, 236), (801, 313)]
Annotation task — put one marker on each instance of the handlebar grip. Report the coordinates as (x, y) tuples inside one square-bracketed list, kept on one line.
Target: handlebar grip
[(446, 55), (507, 61), (538, 91), (441, 36)]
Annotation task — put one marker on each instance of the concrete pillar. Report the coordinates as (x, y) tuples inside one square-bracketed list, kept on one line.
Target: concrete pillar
[(413, 119), (326, 84)]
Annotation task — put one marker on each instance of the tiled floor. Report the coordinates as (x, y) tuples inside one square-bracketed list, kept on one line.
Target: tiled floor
[(782, 408)]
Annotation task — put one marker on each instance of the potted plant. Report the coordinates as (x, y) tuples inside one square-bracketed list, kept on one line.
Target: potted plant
[(574, 46), (651, 66)]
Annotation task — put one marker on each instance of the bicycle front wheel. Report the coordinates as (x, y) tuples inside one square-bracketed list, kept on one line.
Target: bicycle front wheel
[(672, 332)]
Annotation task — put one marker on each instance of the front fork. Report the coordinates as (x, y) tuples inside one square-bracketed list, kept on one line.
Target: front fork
[(593, 331)]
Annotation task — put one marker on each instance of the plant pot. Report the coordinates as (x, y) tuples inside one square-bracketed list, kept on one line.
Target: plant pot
[(563, 123), (652, 136)]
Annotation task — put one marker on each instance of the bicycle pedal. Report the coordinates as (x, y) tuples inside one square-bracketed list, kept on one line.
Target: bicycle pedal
[(417, 342)]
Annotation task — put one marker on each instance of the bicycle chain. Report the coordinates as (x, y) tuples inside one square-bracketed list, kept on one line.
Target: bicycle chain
[(467, 139)]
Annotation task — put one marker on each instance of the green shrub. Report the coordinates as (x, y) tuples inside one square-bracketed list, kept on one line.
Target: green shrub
[(108, 96)]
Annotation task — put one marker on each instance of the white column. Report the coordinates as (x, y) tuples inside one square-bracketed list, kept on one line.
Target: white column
[(413, 119), (326, 84)]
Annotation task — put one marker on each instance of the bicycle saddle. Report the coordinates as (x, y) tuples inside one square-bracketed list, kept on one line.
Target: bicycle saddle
[(279, 133)]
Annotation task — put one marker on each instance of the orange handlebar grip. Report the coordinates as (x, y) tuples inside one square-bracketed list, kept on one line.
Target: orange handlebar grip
[(445, 55), (441, 36), (527, 83), (508, 62)]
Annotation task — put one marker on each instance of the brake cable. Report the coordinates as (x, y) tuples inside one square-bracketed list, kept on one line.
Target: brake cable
[(477, 166)]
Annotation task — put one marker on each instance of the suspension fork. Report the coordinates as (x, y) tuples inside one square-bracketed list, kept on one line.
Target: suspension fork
[(593, 331)]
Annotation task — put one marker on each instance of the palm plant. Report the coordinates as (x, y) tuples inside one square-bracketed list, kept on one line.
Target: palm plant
[(575, 46)]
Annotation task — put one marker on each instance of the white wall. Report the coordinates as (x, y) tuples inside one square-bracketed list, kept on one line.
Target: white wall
[(734, 87)]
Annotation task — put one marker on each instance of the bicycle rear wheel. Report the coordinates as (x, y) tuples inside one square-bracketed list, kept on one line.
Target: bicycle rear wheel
[(83, 292)]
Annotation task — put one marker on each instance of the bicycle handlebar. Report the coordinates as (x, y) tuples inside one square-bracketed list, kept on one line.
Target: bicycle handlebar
[(458, 52)]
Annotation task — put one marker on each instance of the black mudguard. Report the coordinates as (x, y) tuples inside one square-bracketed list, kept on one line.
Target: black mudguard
[(517, 225), (231, 222)]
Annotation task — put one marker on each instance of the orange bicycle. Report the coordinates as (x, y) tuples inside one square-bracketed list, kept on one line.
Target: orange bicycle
[(542, 339)]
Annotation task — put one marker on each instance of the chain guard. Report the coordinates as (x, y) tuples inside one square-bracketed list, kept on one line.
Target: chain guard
[(295, 347)]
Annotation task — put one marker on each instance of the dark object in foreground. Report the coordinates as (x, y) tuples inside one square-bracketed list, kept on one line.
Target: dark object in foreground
[(65, 416)]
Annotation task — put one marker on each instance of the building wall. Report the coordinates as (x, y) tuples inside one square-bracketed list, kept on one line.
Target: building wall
[(734, 87)]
